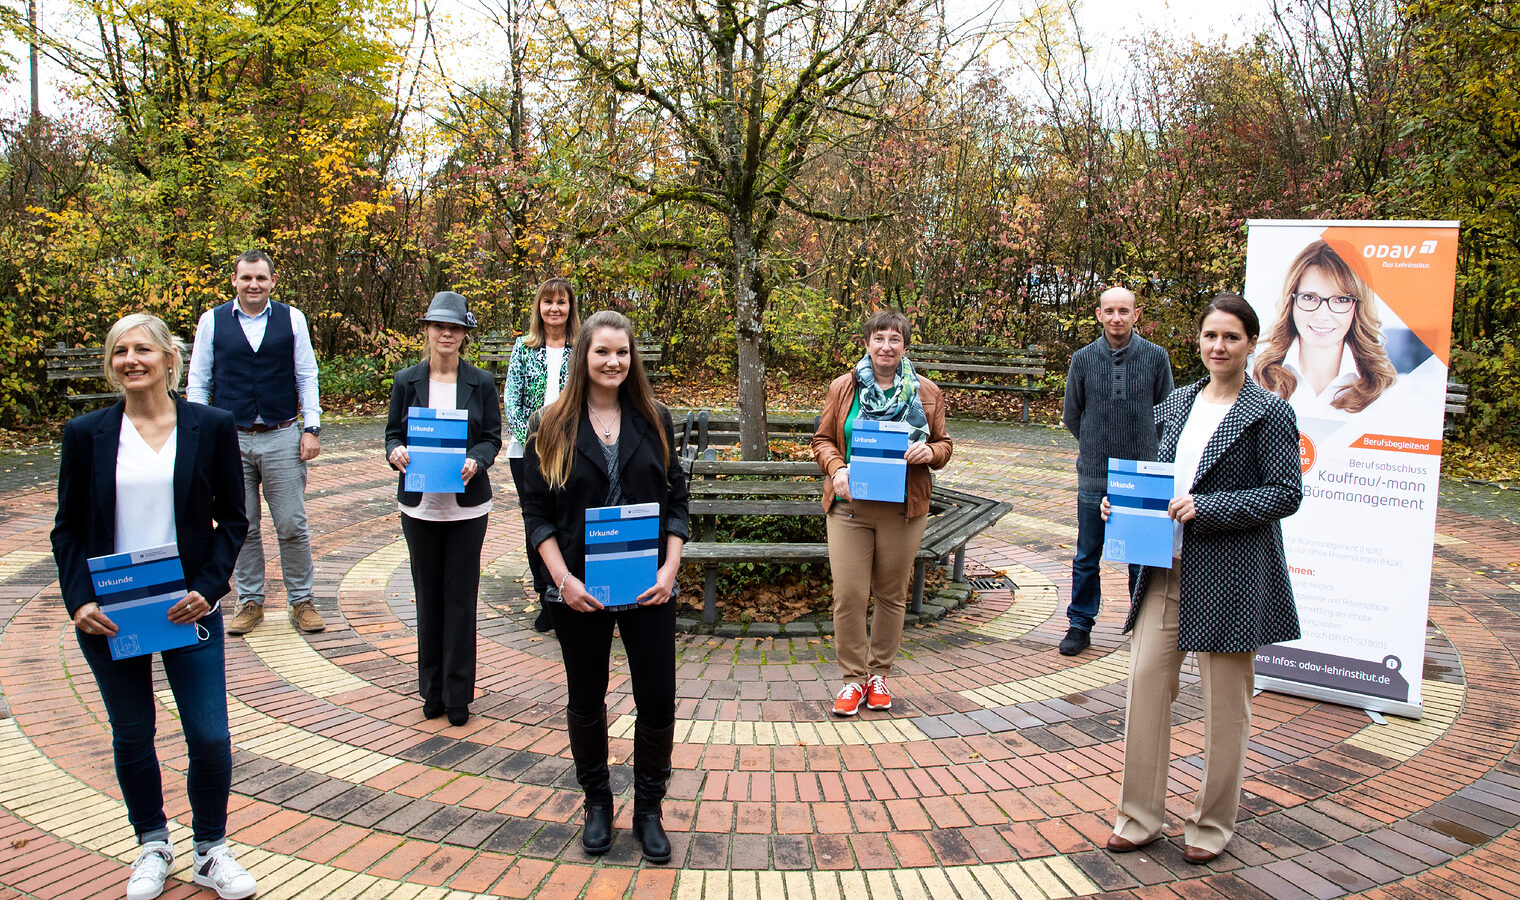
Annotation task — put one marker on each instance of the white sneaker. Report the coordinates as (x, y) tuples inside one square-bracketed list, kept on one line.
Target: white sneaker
[(154, 860), (219, 871)]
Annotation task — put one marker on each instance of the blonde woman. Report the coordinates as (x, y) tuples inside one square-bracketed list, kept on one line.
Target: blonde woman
[(173, 475), (445, 532)]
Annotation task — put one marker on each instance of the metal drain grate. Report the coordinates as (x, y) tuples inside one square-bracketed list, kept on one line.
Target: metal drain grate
[(996, 583)]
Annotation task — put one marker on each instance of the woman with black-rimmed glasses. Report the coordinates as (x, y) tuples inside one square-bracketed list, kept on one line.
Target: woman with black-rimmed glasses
[(1325, 353)]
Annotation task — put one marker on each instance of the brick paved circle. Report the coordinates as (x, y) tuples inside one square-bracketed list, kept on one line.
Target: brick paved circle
[(993, 777)]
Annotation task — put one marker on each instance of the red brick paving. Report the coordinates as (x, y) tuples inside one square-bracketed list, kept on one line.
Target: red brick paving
[(1323, 819)]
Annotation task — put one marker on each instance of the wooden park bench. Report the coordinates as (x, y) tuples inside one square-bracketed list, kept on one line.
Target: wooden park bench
[(700, 432), (495, 353), (793, 489), (1021, 371), (1456, 402), (81, 370)]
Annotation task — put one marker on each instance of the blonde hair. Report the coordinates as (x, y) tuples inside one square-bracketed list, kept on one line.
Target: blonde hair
[(158, 335), (556, 285), (1364, 340), (560, 422)]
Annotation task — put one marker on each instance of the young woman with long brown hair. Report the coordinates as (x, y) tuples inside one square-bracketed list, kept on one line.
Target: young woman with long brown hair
[(608, 442)]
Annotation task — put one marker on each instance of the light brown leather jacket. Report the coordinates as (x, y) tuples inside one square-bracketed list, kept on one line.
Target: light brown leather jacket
[(829, 440)]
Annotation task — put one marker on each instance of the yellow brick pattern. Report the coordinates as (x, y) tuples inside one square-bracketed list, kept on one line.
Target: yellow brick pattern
[(269, 737), (1044, 878), (1034, 603), (783, 734), (1401, 738), (280, 647), (16, 560)]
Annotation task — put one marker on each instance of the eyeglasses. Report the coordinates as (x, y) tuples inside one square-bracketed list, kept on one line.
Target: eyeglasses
[(1309, 302)]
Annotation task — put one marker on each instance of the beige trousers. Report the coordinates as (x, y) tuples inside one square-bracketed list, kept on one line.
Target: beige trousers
[(871, 550), (1155, 664)]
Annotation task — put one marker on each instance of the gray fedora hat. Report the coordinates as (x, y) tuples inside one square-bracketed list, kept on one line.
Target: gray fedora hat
[(449, 308)]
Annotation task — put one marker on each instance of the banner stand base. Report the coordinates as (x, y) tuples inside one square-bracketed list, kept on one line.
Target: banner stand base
[(1372, 705)]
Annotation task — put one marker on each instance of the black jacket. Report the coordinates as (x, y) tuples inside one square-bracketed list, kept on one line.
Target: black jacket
[(476, 393), (209, 518), (1235, 590), (562, 513)]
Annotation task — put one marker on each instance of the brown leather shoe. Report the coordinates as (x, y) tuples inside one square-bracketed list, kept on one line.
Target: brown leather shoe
[(1117, 844), (305, 617), (248, 617), (1198, 856)]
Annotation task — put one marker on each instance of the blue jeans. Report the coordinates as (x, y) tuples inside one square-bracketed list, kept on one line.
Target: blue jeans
[(1086, 581), (198, 677), (273, 459)]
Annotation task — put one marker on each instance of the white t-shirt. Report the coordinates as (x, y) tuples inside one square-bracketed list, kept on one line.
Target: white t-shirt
[(144, 491), (554, 357), (1202, 421), (436, 507)]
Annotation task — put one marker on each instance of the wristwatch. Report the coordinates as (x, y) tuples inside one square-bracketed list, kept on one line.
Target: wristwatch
[(314, 431)]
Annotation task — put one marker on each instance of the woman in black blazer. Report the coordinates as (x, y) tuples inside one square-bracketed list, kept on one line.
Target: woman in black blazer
[(153, 470), (1235, 446), (445, 531), (608, 442)]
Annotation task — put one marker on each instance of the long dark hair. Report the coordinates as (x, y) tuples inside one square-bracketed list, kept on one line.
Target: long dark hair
[(560, 424)]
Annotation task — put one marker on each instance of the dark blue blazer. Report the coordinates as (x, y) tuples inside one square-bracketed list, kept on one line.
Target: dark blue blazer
[(209, 518)]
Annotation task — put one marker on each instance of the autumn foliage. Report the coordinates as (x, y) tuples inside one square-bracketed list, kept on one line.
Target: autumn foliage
[(990, 203)]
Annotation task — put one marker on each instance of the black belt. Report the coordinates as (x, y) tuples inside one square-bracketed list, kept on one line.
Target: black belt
[(260, 427)]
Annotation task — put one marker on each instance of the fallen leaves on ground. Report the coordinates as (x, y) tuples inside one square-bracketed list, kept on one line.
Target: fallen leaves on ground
[(1496, 462)]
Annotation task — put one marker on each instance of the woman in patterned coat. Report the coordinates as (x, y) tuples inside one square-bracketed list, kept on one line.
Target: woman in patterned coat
[(535, 376), (1235, 446)]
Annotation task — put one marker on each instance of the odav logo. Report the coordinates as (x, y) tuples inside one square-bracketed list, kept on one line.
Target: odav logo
[(1397, 251)]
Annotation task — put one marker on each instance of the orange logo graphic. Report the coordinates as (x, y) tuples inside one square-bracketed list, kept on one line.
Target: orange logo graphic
[(1305, 452)]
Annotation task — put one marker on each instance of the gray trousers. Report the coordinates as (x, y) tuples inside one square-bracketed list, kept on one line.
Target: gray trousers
[(272, 460)]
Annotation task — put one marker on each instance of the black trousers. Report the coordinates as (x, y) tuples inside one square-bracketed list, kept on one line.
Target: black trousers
[(535, 564), (649, 636), (445, 559)]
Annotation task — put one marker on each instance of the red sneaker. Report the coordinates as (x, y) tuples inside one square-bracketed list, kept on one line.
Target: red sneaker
[(877, 695), (848, 701)]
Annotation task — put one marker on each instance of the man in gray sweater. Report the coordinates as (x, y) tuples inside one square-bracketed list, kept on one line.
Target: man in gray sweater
[(1111, 389)]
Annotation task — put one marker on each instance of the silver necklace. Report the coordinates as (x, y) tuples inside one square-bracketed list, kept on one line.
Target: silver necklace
[(606, 432)]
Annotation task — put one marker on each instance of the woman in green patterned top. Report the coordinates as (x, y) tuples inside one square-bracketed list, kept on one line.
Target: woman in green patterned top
[(535, 376)]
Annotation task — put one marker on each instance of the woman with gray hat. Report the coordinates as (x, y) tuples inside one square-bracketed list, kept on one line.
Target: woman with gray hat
[(445, 529)]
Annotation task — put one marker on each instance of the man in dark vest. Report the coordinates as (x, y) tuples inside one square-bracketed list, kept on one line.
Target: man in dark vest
[(1112, 389), (253, 358)]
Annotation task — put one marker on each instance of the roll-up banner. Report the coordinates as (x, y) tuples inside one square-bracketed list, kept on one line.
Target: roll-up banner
[(1356, 335)]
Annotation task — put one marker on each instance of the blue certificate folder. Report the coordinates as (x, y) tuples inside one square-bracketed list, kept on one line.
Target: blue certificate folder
[(622, 552), (135, 591), (877, 468), (1139, 531), (436, 440)]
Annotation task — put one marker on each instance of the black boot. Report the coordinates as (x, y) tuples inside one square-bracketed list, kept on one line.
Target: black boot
[(651, 771), (588, 744)]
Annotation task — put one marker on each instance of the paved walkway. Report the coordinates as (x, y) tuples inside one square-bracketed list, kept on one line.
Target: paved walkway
[(994, 777)]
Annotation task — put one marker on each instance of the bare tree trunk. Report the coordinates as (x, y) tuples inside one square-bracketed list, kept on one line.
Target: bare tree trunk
[(749, 333)]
